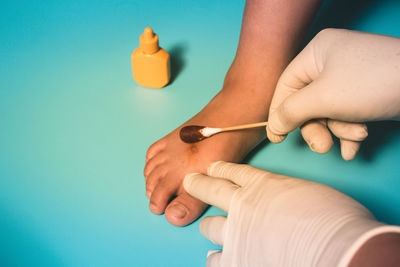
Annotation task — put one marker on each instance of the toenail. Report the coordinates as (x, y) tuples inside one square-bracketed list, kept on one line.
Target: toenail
[(178, 211), (153, 207)]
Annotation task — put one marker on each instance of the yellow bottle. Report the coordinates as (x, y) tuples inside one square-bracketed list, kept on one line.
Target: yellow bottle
[(150, 63)]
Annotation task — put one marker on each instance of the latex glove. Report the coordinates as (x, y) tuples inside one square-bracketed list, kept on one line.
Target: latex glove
[(275, 220), (343, 76)]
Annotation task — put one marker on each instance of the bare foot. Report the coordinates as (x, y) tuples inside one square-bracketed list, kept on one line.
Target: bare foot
[(269, 38), (169, 159)]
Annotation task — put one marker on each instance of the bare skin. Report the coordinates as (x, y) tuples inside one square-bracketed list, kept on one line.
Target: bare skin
[(272, 31)]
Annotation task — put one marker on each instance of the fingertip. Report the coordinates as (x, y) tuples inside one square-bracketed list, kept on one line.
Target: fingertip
[(349, 149), (212, 167), (203, 224), (213, 258), (211, 252), (213, 228), (352, 131), (317, 136), (283, 120), (321, 147), (275, 125), (362, 132), (274, 138), (188, 181), (348, 156)]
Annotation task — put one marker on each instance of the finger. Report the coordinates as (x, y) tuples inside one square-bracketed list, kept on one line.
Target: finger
[(317, 136), (240, 174), (352, 131), (349, 149), (274, 138), (213, 228), (214, 191), (301, 72), (296, 109), (214, 258)]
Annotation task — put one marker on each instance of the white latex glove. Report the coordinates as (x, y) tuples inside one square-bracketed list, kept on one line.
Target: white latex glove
[(275, 220), (343, 76)]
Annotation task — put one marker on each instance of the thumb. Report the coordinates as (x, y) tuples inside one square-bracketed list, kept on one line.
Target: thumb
[(301, 106), (290, 106)]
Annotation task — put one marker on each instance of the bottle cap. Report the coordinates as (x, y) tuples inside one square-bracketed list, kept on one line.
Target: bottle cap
[(149, 41)]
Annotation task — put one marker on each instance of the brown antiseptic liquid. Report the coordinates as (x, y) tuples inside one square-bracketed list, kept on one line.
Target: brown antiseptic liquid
[(191, 134)]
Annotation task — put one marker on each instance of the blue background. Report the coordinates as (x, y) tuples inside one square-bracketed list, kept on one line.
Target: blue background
[(74, 127)]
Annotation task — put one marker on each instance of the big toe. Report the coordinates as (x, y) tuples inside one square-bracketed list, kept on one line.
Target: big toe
[(184, 209)]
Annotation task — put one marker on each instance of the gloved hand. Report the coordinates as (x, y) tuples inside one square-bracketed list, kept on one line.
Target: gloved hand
[(275, 220), (340, 79)]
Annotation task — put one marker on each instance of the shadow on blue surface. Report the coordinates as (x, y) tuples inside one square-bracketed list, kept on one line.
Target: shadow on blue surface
[(253, 152), (380, 134), (343, 14), (177, 53)]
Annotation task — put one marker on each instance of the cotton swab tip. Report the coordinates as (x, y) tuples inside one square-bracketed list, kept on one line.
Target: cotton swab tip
[(195, 133)]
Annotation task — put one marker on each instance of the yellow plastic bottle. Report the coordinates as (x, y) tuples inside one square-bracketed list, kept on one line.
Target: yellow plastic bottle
[(150, 63)]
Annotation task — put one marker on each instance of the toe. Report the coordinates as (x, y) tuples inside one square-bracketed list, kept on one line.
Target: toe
[(153, 163), (184, 209), (155, 148), (162, 194), (154, 178)]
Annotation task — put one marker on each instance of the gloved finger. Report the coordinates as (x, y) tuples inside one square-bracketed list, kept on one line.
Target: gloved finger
[(295, 110), (352, 131), (214, 191), (299, 74), (240, 174), (317, 135), (213, 228), (349, 149), (213, 258), (274, 138)]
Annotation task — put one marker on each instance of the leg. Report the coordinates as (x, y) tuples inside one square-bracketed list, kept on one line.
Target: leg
[(271, 33)]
